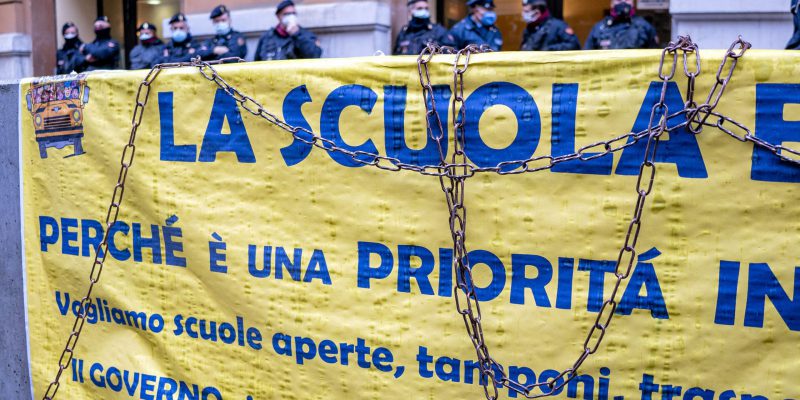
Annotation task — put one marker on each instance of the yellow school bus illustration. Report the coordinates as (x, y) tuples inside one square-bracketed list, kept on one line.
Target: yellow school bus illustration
[(56, 104)]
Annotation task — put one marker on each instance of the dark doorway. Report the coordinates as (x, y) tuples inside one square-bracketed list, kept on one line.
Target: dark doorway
[(129, 18)]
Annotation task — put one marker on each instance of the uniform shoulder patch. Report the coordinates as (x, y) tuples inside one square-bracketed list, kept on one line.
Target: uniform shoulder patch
[(569, 30), (111, 44), (240, 41)]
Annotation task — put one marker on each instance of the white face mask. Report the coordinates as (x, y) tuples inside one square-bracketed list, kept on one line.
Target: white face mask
[(145, 36), (70, 36), (531, 16), (421, 13), (222, 28), (289, 19), (527, 16)]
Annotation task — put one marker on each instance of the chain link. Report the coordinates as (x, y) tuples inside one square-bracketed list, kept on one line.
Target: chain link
[(453, 175), (112, 213), (699, 115), (467, 304)]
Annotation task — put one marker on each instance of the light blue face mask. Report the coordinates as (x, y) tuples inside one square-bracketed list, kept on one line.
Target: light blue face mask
[(222, 28), (179, 35), (489, 18), (421, 14)]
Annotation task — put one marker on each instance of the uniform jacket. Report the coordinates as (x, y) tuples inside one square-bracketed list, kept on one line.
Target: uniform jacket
[(69, 58), (635, 33), (550, 35), (467, 31), (105, 52), (180, 52), (412, 39), (233, 40), (145, 56), (274, 46), (794, 42)]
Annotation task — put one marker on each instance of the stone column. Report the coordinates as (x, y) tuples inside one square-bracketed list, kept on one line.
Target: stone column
[(15, 41), (27, 38)]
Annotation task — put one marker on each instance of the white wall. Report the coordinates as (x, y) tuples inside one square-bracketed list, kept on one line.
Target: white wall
[(715, 24), (342, 33)]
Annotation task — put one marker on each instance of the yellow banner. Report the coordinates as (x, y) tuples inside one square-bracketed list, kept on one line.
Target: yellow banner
[(247, 265)]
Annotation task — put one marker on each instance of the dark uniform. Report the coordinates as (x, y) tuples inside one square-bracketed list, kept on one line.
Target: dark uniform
[(145, 56), (552, 34), (467, 32), (280, 45), (180, 51), (104, 49), (415, 36), (233, 40), (148, 52), (629, 33), (794, 42), (69, 57)]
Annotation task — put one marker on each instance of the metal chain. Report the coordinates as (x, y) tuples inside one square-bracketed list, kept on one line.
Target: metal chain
[(453, 176), (747, 136), (705, 111), (462, 168), (492, 373), (126, 161), (730, 60)]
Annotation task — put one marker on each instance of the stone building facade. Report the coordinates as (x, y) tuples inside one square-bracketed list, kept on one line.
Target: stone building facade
[(30, 30)]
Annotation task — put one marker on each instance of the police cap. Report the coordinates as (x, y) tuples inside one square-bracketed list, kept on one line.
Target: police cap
[(67, 26), (101, 18), (179, 17), (146, 25), (534, 3), (282, 5), (483, 3), (410, 2), (218, 10)]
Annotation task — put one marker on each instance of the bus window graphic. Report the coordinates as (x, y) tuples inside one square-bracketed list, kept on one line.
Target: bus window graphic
[(56, 105)]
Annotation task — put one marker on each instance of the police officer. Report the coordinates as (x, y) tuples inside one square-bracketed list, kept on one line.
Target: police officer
[(181, 48), (794, 42), (622, 30), (478, 27), (150, 49), (545, 32), (227, 42), (103, 52), (69, 57), (420, 31), (287, 40)]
